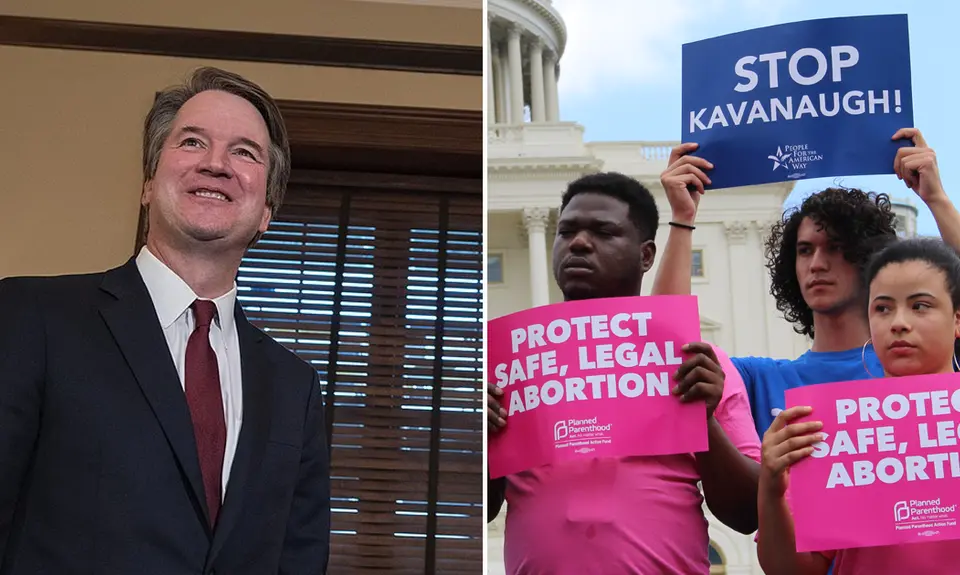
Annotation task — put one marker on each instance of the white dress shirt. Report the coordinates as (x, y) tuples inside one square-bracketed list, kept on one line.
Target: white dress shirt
[(172, 298)]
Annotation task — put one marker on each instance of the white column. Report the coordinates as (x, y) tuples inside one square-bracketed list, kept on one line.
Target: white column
[(551, 95), (759, 340), (551, 98), (503, 103), (535, 222), (515, 57), (537, 102), (491, 91), (739, 287)]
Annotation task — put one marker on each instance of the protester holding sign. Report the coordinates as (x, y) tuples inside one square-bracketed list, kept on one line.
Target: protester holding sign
[(914, 320), (815, 256), (631, 514)]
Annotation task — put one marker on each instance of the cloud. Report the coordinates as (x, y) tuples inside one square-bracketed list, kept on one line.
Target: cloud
[(612, 43)]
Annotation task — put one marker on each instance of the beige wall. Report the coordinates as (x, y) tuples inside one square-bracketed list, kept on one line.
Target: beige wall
[(337, 18), (70, 135)]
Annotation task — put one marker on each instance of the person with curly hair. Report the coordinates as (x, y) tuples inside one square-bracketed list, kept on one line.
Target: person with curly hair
[(914, 319), (816, 256)]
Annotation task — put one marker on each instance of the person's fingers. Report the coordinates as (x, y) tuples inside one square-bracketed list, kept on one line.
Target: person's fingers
[(493, 416), (700, 359), (702, 390), (704, 348), (913, 162), (897, 160), (904, 133), (786, 416), (688, 169), (496, 414), (680, 151), (786, 446), (691, 182), (695, 161), (911, 134), (795, 443), (785, 461), (493, 405)]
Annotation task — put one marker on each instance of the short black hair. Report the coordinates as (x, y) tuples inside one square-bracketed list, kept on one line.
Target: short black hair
[(931, 251), (860, 223), (643, 208)]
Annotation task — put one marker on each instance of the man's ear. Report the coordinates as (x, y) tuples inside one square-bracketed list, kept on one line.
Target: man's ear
[(146, 192), (648, 253), (265, 219)]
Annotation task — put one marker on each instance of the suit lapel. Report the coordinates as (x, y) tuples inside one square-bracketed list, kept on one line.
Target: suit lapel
[(255, 377), (132, 320)]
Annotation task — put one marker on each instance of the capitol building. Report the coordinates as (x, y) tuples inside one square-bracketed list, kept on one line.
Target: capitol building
[(532, 155)]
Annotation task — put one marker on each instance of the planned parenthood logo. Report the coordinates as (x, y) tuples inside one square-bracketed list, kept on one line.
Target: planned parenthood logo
[(560, 430), (901, 511), (924, 515), (581, 434), (795, 159)]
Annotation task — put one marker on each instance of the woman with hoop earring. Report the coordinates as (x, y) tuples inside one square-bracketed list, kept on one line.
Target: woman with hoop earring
[(914, 314)]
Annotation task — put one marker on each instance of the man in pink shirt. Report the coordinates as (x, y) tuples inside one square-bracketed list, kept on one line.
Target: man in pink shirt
[(636, 514)]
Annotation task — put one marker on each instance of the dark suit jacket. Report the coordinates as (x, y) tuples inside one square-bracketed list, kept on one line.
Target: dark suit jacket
[(99, 473)]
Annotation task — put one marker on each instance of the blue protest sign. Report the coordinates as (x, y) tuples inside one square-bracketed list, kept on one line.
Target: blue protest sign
[(812, 99)]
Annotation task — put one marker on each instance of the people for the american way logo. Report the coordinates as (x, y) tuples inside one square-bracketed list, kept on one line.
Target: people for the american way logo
[(780, 159)]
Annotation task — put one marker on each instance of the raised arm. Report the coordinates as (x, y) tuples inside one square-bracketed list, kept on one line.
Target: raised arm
[(728, 475), (784, 445), (683, 174), (917, 167)]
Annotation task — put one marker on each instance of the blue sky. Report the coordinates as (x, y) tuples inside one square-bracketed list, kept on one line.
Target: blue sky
[(639, 99)]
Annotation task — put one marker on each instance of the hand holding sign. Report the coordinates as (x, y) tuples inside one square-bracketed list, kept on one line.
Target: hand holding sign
[(684, 181), (495, 413), (700, 377), (783, 445), (888, 468), (917, 167)]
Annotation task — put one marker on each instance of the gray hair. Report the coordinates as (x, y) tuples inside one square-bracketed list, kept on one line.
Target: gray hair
[(159, 123)]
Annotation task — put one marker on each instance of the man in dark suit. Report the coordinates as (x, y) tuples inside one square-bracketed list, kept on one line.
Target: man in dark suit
[(145, 425)]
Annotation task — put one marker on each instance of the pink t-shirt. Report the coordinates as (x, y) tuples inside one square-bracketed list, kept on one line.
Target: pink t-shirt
[(626, 515), (941, 557)]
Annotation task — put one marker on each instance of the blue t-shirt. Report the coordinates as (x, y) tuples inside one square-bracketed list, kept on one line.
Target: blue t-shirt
[(768, 379)]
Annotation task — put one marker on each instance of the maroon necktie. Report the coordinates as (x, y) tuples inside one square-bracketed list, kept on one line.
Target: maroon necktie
[(202, 383)]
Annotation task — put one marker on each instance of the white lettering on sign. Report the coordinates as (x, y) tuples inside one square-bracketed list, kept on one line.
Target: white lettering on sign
[(840, 57)]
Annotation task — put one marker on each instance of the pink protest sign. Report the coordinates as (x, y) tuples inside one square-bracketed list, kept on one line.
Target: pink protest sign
[(888, 471), (592, 379)]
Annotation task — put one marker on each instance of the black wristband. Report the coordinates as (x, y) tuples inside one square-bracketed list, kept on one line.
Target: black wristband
[(684, 226)]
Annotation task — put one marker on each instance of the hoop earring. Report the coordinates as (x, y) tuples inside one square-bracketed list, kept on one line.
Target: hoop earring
[(956, 365), (863, 358)]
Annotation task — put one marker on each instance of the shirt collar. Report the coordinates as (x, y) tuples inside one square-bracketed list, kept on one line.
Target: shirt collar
[(172, 296)]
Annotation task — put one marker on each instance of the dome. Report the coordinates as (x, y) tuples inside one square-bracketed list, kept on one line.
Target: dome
[(906, 212), (526, 40)]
